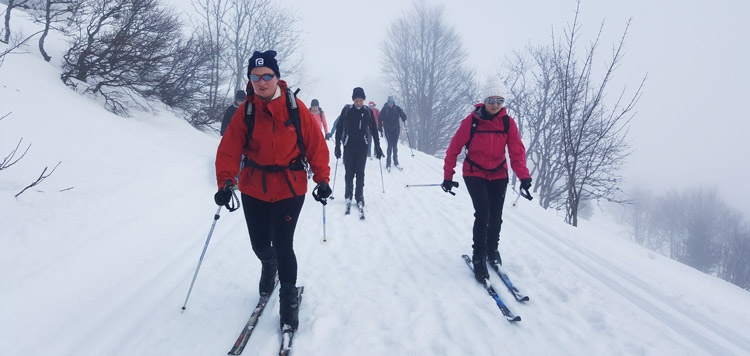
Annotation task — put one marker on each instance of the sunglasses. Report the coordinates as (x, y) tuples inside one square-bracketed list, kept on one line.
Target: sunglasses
[(494, 101), (266, 77)]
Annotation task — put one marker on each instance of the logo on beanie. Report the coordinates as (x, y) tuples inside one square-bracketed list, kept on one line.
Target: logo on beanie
[(259, 62)]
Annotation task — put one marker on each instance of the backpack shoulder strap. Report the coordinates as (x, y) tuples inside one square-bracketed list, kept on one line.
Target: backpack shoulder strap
[(472, 131), (249, 121), (506, 124), (347, 107), (475, 123), (294, 119)]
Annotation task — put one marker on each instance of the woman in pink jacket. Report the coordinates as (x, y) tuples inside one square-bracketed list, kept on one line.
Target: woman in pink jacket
[(319, 115), (485, 134)]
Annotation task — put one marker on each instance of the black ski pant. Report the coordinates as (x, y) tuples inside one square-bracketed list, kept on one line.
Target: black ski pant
[(355, 159), (271, 227), (391, 136), (488, 198)]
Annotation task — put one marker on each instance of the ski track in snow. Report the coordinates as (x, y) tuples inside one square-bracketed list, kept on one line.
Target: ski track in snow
[(682, 323)]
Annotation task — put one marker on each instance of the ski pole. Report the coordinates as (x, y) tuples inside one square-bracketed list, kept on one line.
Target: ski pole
[(324, 224), (231, 206), (516, 201), (197, 268), (335, 173), (324, 202), (455, 185), (409, 139), (527, 195), (380, 162)]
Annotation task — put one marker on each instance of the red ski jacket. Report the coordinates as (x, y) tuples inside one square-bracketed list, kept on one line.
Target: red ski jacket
[(273, 143), (487, 148)]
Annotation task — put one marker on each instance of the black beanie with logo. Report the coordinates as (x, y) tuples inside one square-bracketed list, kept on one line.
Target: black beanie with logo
[(263, 59)]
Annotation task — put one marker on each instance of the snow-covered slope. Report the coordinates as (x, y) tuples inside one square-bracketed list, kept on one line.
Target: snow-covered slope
[(103, 268)]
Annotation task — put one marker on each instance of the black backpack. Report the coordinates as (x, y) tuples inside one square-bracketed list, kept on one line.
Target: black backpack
[(365, 129), (473, 131)]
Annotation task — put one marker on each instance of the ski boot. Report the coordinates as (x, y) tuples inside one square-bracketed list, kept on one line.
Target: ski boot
[(288, 306), (494, 258), (479, 263)]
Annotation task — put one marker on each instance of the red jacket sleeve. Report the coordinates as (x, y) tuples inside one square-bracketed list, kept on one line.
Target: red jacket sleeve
[(325, 122), (457, 143), (517, 152), (229, 152)]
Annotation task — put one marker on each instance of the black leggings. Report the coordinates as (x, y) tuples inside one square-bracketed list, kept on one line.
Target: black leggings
[(271, 227), (355, 160), (488, 197)]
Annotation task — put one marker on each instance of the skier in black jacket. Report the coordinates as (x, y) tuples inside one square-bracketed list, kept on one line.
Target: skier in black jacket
[(239, 97), (390, 126), (352, 127)]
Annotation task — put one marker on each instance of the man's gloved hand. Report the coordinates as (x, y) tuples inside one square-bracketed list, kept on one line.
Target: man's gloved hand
[(328, 136), (379, 152), (323, 190), (223, 196), (337, 152), (448, 185), (526, 183)]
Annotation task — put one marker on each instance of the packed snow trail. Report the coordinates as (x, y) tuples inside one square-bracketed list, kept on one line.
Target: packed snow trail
[(395, 282)]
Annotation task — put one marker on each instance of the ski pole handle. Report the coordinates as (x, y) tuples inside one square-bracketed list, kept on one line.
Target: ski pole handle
[(521, 193), (234, 201), (526, 195)]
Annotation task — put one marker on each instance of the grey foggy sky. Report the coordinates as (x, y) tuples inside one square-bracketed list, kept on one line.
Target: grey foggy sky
[(690, 125)]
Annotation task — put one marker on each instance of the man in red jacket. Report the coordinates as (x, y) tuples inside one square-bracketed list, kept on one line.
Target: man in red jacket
[(273, 181), (485, 169)]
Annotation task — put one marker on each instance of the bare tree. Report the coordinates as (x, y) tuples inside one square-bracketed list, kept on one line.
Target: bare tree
[(16, 43), (696, 227), (424, 65), (120, 49), (594, 135), (12, 4), (706, 218), (210, 26), (735, 254), (534, 103), (50, 14), (234, 29), (185, 79), (39, 179), (259, 25), (11, 158)]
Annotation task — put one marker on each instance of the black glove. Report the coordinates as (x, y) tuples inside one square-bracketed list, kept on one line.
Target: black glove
[(526, 183), (323, 190), (448, 185), (223, 196), (379, 152), (328, 136), (337, 152)]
